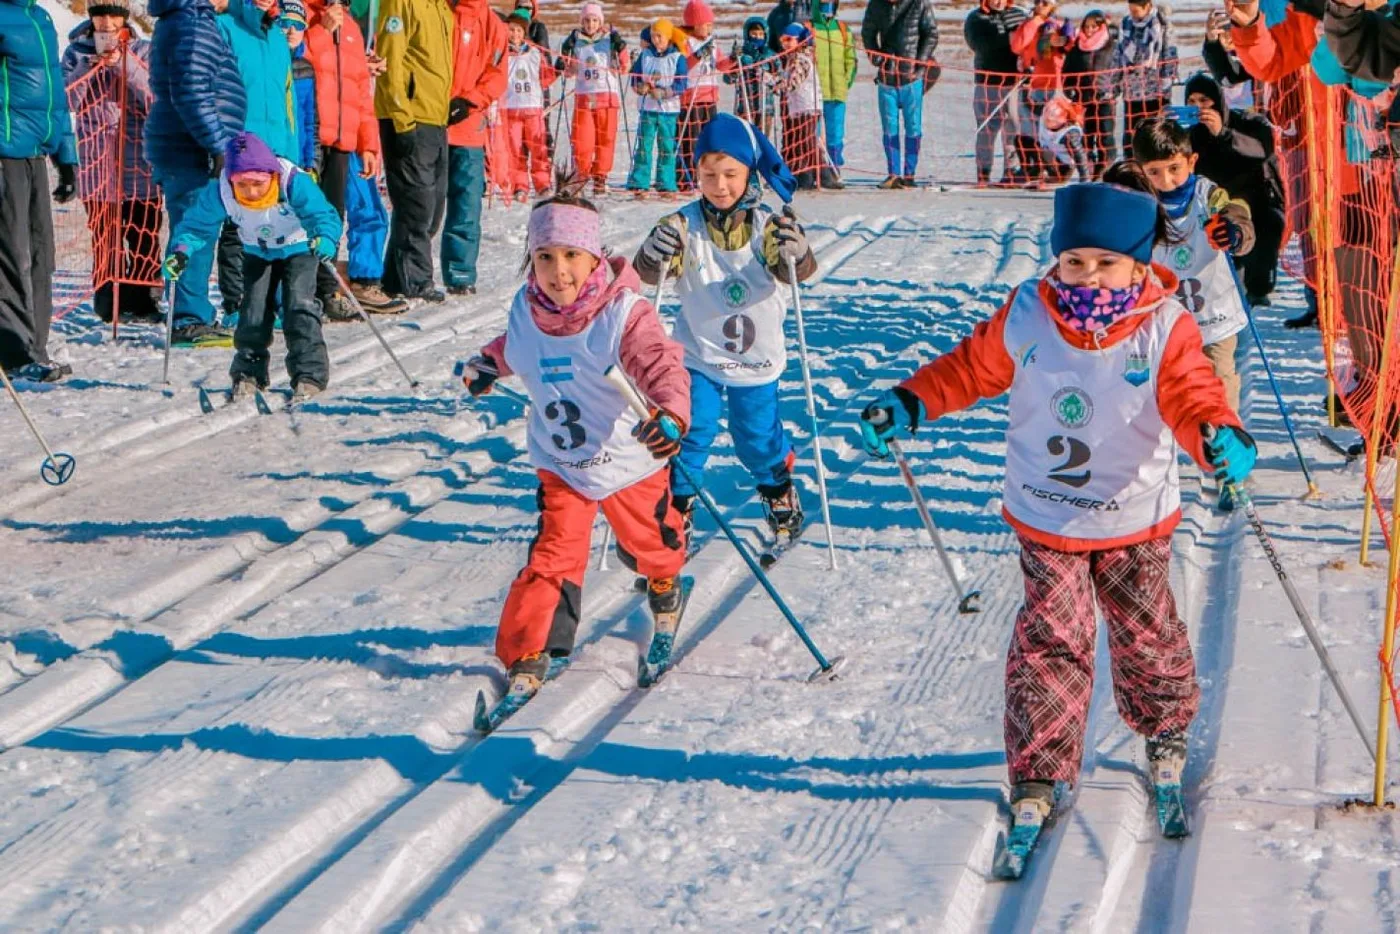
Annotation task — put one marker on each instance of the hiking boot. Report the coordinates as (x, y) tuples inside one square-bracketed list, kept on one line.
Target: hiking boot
[(783, 510), (907, 181), (376, 301), (600, 186), (305, 389), (1166, 757), (338, 309), (431, 295), (528, 674), (891, 183), (1307, 319), (201, 335), (461, 290), (37, 372), (666, 599)]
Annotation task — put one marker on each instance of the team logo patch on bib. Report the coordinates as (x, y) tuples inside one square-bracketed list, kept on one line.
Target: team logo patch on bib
[(1137, 370), (264, 232), (1072, 407), (736, 292), (1183, 256)]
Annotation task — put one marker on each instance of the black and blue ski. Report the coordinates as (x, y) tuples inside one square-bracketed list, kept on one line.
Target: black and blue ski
[(657, 660), (485, 720), (1171, 810), (1032, 815)]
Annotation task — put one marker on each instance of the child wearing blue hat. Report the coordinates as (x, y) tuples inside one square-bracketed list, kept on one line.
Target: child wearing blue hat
[(728, 256), (1107, 382)]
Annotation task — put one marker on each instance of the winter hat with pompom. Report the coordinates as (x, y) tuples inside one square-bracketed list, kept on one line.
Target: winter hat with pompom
[(697, 13), (247, 153)]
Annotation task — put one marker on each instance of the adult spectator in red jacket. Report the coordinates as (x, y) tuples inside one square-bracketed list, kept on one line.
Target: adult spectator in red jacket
[(345, 111), (478, 80)]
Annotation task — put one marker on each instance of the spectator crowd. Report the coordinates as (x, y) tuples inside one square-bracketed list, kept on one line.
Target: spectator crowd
[(440, 104)]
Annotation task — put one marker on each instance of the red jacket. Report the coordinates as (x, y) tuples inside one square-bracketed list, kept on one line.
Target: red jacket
[(478, 69), (1188, 391), (1044, 69), (344, 89)]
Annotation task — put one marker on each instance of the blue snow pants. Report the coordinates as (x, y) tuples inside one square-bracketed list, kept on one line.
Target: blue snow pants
[(366, 225), (834, 120), (906, 102), (461, 231), (755, 424), (657, 129)]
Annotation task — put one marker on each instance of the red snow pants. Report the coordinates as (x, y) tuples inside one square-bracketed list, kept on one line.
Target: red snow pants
[(1050, 666), (595, 137), (529, 156), (544, 606)]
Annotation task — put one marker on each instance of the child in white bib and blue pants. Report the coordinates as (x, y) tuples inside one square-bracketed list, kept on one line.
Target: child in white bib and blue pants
[(1107, 383), (726, 258)]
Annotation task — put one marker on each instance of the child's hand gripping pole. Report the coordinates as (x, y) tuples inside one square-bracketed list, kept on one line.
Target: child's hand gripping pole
[(56, 469), (967, 602), (1242, 497), (811, 399), (828, 669), (479, 372), (345, 290)]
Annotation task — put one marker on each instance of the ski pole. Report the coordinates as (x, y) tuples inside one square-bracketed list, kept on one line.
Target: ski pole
[(169, 328), (345, 289), (828, 669), (1313, 491), (1243, 497), (812, 409), (967, 602), (56, 469), (997, 109)]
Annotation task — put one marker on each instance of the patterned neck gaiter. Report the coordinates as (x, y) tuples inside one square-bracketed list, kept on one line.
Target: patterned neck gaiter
[(1093, 309)]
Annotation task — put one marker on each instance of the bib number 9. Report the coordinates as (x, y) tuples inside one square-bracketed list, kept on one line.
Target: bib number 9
[(1076, 454), (567, 415), (741, 333), (524, 87), (591, 75)]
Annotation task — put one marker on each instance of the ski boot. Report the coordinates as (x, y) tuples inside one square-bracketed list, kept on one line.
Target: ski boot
[(1166, 759), (1031, 804), (783, 510), (666, 597), (244, 387)]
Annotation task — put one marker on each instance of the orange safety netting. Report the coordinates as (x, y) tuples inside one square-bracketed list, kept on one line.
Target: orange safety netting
[(108, 242)]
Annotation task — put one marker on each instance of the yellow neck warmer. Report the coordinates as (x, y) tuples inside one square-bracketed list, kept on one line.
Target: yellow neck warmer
[(266, 201)]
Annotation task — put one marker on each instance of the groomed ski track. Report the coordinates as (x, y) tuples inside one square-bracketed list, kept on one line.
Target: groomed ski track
[(273, 732)]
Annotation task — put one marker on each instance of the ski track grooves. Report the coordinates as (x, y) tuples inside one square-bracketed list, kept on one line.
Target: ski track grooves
[(80, 683)]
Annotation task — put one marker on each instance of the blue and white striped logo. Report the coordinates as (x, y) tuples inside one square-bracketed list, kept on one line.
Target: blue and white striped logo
[(556, 369)]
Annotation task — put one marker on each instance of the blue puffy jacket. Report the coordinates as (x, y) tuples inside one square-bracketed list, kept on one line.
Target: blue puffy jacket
[(199, 102), (308, 122), (34, 119), (265, 64)]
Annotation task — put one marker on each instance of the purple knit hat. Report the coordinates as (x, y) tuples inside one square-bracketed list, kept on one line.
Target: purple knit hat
[(247, 153)]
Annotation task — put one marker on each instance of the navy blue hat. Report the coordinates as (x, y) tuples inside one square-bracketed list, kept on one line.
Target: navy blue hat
[(1106, 217), (741, 140)]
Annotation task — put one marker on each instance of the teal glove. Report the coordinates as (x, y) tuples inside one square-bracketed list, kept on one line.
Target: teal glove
[(174, 264), (325, 248), (897, 409), (1231, 451)]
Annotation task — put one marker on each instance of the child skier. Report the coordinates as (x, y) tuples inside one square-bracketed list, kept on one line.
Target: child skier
[(577, 315), (727, 255), (287, 228), (700, 100), (1061, 138), (802, 108), (595, 56), (1106, 378), (530, 72), (1206, 225), (750, 60), (658, 76)]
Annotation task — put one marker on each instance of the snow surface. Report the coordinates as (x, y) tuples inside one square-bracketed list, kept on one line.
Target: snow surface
[(242, 653)]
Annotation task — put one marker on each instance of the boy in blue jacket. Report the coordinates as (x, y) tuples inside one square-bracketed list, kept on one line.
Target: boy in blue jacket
[(287, 228)]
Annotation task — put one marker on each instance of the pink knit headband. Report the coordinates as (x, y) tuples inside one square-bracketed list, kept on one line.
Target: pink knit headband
[(565, 225)]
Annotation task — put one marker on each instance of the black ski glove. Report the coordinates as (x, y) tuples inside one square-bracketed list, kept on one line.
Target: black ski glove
[(458, 110), (67, 184)]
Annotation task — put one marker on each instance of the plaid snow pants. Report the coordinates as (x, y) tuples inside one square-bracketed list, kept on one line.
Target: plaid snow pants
[(1050, 667)]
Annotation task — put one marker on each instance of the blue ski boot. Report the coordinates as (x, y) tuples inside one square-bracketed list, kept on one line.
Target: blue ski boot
[(666, 597)]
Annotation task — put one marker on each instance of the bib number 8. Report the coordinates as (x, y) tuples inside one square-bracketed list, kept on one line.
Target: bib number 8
[(1076, 454), (741, 333), (1190, 293), (567, 414)]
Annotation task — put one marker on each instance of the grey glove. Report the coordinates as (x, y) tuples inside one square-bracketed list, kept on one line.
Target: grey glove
[(663, 244), (791, 240)]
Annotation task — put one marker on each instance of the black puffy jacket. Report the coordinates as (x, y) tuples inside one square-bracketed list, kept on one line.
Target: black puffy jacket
[(904, 29), (1241, 158)]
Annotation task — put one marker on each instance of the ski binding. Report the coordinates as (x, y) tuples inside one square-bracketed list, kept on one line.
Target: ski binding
[(485, 719), (657, 660)]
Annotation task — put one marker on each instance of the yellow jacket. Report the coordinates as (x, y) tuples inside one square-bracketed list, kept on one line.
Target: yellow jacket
[(415, 39)]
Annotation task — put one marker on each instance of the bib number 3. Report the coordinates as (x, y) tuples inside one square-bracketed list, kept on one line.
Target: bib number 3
[(567, 415)]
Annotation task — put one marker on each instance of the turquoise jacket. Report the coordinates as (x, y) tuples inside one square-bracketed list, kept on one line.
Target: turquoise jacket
[(201, 224), (265, 64), (34, 117)]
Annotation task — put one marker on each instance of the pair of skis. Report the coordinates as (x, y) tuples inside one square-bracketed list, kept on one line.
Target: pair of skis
[(1014, 849), (651, 667)]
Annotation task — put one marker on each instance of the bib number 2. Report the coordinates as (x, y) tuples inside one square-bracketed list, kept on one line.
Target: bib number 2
[(1076, 454), (567, 415)]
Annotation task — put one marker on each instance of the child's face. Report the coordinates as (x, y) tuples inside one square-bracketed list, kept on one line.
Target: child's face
[(658, 41), (516, 32), (704, 31), (251, 186), (756, 34), (294, 36), (788, 43), (1093, 268), (1139, 11), (562, 270), (592, 24), (723, 179), (1170, 174)]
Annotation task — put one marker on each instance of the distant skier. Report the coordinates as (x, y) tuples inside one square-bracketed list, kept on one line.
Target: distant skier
[(1106, 378), (287, 226), (727, 255), (577, 315)]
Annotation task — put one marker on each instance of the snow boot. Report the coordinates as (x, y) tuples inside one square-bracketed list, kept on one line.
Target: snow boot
[(305, 389), (783, 509)]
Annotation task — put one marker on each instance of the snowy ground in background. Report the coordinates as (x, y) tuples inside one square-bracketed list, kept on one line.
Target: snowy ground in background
[(241, 654)]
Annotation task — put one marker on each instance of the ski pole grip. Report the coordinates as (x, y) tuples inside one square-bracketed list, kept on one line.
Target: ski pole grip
[(878, 418), (629, 392)]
